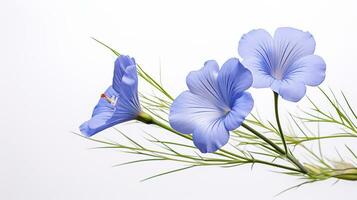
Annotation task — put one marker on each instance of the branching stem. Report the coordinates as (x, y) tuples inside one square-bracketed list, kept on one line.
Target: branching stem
[(291, 158), (277, 148)]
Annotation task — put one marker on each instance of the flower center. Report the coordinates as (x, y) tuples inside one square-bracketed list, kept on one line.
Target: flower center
[(112, 100), (226, 110), (278, 74)]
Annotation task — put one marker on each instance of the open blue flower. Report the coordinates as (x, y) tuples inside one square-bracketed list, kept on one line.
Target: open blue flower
[(285, 62), (120, 101), (215, 104)]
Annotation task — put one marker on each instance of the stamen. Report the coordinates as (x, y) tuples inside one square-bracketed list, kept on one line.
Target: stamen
[(110, 100)]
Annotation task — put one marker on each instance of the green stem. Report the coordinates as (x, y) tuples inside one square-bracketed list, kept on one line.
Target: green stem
[(277, 148), (146, 118), (276, 107), (276, 165), (165, 126), (297, 140), (287, 154)]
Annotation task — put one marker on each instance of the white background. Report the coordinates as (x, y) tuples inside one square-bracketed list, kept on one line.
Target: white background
[(51, 75)]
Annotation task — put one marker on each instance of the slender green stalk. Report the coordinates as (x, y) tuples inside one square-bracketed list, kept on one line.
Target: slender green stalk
[(286, 152), (271, 143), (277, 148), (276, 108), (276, 165), (297, 140), (302, 170)]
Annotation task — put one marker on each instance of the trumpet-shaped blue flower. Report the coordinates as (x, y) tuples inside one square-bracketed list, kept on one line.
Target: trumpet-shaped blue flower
[(215, 104), (285, 62), (120, 101)]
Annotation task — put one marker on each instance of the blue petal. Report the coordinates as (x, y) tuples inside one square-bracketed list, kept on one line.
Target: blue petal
[(292, 90), (102, 116), (123, 93), (309, 70), (261, 77), (289, 46), (240, 110), (204, 81), (209, 138), (121, 63), (233, 78), (213, 95), (256, 43), (190, 110), (97, 123), (256, 49), (303, 41), (128, 105), (275, 86)]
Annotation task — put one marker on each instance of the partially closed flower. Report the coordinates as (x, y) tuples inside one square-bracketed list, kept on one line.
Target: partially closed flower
[(285, 62), (215, 104), (120, 102)]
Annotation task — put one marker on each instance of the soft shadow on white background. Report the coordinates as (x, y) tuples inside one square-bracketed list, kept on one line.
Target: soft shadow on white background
[(51, 75)]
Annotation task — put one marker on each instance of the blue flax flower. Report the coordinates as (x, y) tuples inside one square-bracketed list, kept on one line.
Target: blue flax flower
[(120, 101), (215, 104), (285, 62)]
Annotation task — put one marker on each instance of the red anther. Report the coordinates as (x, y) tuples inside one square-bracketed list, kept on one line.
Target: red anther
[(107, 98)]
